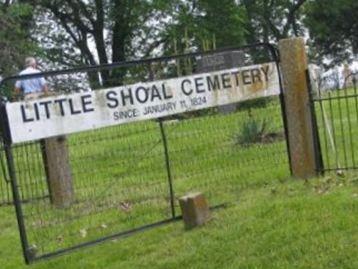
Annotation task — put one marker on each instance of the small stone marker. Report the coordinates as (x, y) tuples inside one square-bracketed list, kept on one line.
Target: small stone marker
[(195, 210)]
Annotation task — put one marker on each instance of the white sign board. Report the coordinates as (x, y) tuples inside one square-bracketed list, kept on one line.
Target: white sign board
[(65, 114)]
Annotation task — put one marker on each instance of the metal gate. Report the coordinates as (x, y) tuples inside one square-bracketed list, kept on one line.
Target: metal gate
[(128, 178), (337, 124)]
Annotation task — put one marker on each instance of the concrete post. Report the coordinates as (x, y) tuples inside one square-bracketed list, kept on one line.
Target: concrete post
[(195, 210), (294, 65), (58, 171)]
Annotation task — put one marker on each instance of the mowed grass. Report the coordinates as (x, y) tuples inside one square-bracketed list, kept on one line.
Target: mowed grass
[(120, 181), (292, 224)]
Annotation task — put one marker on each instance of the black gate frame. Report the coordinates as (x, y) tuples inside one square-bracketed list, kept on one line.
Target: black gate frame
[(319, 165), (318, 98), (28, 253)]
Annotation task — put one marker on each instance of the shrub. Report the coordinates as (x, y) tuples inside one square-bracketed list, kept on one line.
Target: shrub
[(251, 131), (254, 131)]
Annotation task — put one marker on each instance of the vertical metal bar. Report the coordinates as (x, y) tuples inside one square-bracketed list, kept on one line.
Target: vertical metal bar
[(349, 127), (17, 203), (4, 181), (355, 102), (324, 132), (167, 163), (38, 172), (3, 163), (355, 96), (14, 185), (8, 199), (342, 129), (28, 176), (316, 139), (166, 153), (45, 167), (333, 130), (275, 55)]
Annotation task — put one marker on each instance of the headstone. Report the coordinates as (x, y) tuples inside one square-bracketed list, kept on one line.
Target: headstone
[(220, 61)]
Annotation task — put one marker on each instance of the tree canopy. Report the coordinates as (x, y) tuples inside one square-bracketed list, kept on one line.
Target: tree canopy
[(77, 32), (15, 41), (333, 28), (272, 20)]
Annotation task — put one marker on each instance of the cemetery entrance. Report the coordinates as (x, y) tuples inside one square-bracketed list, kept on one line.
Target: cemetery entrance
[(109, 153)]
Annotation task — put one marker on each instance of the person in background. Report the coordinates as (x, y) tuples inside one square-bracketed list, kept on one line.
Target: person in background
[(31, 88)]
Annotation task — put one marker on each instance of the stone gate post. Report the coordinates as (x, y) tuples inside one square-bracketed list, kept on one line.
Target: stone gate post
[(299, 115)]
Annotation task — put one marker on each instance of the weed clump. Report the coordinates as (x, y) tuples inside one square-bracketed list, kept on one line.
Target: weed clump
[(254, 131)]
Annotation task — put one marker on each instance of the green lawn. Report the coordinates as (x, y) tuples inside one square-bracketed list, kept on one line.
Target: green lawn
[(120, 182), (292, 224)]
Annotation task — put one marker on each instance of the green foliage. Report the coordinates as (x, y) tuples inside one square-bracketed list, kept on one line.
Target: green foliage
[(78, 32), (333, 28), (208, 23), (223, 19), (256, 103), (268, 21), (251, 131), (15, 43)]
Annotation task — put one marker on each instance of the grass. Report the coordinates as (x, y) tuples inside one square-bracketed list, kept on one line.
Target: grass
[(120, 183), (292, 224), (120, 177)]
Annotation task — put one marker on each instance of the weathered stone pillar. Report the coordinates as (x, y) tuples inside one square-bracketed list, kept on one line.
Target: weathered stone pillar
[(58, 171), (294, 65)]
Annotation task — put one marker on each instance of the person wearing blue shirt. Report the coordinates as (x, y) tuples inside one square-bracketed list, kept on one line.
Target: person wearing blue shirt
[(31, 88)]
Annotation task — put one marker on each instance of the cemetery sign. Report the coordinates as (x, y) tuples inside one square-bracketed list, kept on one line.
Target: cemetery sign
[(65, 114)]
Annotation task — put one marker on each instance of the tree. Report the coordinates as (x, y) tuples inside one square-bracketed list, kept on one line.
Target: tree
[(97, 32), (204, 24), (80, 32), (272, 20), (223, 19), (15, 42), (333, 29)]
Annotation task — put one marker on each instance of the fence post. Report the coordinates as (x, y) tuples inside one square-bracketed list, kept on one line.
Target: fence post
[(58, 170), (300, 121)]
